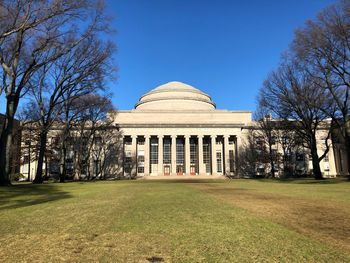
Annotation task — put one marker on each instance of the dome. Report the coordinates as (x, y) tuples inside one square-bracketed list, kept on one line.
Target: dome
[(175, 96)]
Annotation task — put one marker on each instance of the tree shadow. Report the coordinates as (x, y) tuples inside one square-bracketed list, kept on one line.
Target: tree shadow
[(23, 195), (306, 181)]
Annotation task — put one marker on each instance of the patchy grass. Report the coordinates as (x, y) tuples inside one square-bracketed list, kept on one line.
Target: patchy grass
[(166, 221)]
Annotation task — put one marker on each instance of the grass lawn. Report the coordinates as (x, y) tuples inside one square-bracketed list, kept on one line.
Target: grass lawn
[(176, 221)]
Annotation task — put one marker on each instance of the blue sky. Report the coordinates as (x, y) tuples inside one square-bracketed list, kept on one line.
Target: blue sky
[(225, 47)]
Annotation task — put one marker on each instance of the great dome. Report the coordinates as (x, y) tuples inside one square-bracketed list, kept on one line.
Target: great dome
[(175, 96)]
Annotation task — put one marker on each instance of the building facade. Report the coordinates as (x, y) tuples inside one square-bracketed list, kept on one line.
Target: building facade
[(176, 130)]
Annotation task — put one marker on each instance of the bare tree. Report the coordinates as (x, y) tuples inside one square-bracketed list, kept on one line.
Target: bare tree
[(268, 132), (89, 124), (293, 96), (31, 36), (57, 85), (322, 46), (109, 152)]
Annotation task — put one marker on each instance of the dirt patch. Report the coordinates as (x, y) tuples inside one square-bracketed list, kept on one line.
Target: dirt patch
[(325, 221)]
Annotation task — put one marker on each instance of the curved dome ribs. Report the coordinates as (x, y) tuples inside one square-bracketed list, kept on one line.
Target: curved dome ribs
[(175, 96)]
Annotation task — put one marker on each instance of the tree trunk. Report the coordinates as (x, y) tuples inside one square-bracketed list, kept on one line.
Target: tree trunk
[(39, 172), (315, 162), (6, 140), (63, 163)]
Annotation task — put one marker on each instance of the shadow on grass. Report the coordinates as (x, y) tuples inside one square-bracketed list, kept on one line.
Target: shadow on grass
[(18, 196), (306, 181)]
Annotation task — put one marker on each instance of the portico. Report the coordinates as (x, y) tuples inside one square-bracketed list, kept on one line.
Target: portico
[(176, 130), (170, 155)]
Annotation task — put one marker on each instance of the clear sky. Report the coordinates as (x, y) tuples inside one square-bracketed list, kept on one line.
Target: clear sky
[(224, 47)]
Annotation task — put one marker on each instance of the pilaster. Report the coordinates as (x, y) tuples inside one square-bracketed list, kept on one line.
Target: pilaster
[(226, 155), (213, 154), (201, 167), (160, 155), (147, 152), (173, 154)]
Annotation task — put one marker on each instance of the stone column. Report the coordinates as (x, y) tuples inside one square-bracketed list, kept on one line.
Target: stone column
[(123, 159), (160, 155), (173, 155), (201, 167), (237, 144), (147, 150), (226, 155), (187, 155), (133, 155), (213, 154)]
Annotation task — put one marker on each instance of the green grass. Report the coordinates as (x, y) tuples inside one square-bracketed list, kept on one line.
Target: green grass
[(167, 221)]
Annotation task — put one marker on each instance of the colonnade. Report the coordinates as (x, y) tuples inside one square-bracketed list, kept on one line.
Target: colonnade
[(189, 154)]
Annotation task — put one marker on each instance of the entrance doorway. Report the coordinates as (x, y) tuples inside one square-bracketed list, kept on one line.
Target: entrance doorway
[(166, 170)]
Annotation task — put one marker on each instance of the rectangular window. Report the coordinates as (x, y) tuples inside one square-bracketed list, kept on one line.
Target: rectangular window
[(232, 161), (193, 151), (167, 151), (218, 141), (140, 162), (180, 151), (26, 159), (128, 140), (231, 141), (193, 156), (206, 155), (154, 151), (141, 141), (218, 162)]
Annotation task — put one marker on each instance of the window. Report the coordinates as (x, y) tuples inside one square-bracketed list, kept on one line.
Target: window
[(206, 155), (232, 161), (141, 141), (26, 159), (218, 162), (231, 141), (140, 162), (218, 141), (141, 159), (128, 140), (167, 151), (154, 155), (127, 161), (326, 158), (154, 151), (180, 151), (193, 151), (193, 156)]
